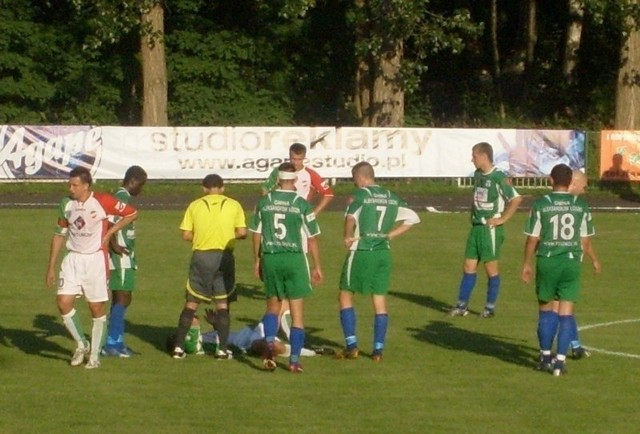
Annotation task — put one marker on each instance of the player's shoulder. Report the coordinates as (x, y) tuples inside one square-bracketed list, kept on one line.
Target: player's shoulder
[(499, 173), (232, 201), (123, 195), (65, 201), (301, 201), (361, 192), (103, 198), (311, 171)]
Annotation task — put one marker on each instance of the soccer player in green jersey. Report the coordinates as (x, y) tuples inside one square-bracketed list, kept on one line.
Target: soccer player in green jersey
[(280, 221), (491, 190), (369, 226), (123, 265), (558, 227)]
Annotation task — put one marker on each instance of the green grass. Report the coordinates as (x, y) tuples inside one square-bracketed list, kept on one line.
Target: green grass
[(439, 375)]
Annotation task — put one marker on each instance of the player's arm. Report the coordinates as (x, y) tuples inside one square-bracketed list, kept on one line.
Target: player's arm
[(241, 233), (321, 186), (271, 183), (512, 207), (114, 207), (57, 241), (322, 204), (124, 221), (240, 226), (314, 250), (408, 217), (587, 248), (529, 252), (187, 235), (257, 239), (349, 229), (114, 246), (117, 248)]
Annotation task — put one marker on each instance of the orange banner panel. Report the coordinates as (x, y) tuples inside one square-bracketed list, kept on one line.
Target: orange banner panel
[(620, 155)]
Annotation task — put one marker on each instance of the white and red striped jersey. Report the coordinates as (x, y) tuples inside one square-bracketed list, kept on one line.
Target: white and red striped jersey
[(85, 223)]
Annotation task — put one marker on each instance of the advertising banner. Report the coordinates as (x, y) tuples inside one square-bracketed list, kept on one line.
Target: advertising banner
[(620, 155), (37, 152)]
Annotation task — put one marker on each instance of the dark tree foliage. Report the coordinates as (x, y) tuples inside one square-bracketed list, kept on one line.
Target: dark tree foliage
[(45, 75), (293, 62)]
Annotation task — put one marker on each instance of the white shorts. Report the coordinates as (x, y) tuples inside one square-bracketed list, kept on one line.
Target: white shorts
[(84, 274)]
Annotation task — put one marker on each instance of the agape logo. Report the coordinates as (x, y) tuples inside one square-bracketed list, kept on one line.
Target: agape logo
[(48, 152)]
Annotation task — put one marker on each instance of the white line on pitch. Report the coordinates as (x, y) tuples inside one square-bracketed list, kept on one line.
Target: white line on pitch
[(606, 324)]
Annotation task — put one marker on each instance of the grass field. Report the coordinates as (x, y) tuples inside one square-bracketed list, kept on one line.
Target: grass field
[(439, 375)]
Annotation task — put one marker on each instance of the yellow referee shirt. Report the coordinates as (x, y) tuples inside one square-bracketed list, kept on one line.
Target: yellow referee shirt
[(213, 219)]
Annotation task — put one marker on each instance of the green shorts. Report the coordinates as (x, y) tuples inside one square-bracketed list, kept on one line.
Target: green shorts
[(286, 275), (122, 279), (367, 272), (484, 243), (558, 278)]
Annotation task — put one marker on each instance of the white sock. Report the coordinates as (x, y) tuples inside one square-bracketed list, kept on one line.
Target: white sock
[(97, 335), (71, 322)]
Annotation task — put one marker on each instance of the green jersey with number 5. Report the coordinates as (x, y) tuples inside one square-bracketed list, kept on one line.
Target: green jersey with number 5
[(375, 210), (559, 220), (284, 219)]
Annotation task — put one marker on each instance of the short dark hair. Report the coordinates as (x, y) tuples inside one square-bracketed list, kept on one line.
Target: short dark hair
[(135, 172), (561, 175), (364, 169), (212, 181), (297, 148), (484, 148), (82, 173), (286, 167)]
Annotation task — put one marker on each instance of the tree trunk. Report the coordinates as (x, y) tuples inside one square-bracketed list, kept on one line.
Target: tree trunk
[(495, 54), (572, 39), (532, 32), (154, 68), (530, 49), (379, 95), (628, 85), (380, 98)]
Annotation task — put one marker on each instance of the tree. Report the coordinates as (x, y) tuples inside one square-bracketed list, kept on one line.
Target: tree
[(111, 21), (573, 37), (154, 67), (393, 40), (628, 84), (379, 95)]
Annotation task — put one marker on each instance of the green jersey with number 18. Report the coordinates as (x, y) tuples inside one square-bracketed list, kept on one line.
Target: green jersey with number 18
[(559, 220), (284, 218)]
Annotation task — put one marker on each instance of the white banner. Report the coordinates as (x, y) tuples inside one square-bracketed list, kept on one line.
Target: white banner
[(35, 152)]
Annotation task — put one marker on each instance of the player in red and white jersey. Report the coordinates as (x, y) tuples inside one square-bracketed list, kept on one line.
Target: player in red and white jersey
[(308, 184), (83, 222)]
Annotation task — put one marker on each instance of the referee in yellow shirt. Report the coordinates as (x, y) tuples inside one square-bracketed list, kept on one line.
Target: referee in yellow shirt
[(212, 224)]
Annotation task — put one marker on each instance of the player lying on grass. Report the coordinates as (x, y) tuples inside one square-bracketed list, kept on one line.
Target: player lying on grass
[(246, 340)]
